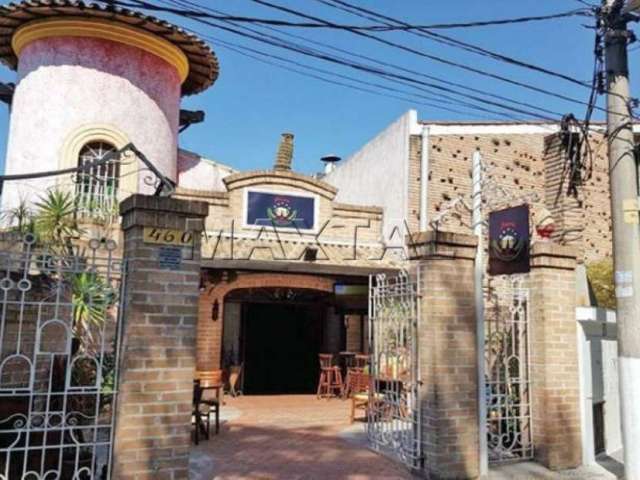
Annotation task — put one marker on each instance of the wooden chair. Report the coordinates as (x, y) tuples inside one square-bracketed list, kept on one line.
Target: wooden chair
[(330, 377), (201, 413), (360, 360), (212, 396), (360, 397), (212, 378), (360, 363)]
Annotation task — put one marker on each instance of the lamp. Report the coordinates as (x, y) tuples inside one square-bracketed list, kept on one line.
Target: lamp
[(215, 310)]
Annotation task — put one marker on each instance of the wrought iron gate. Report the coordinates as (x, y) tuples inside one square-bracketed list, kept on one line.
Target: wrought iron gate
[(59, 337), (507, 366), (394, 409)]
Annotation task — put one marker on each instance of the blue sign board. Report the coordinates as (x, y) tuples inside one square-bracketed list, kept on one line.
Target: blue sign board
[(280, 210)]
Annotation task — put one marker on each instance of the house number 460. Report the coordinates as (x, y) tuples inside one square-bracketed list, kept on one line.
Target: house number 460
[(166, 236)]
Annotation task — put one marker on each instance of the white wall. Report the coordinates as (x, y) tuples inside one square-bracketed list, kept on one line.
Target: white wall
[(377, 174), (597, 334), (198, 173)]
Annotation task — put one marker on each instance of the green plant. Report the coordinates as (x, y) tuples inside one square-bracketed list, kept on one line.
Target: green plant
[(20, 218), (55, 220), (91, 298), (600, 275)]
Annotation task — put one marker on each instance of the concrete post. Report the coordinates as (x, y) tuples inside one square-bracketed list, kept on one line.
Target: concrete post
[(555, 373), (448, 354), (153, 423)]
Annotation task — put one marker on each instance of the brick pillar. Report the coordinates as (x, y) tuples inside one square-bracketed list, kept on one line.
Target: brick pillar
[(554, 357), (153, 423), (447, 350)]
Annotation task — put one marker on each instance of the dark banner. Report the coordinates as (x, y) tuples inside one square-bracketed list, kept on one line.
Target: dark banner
[(280, 210), (509, 241)]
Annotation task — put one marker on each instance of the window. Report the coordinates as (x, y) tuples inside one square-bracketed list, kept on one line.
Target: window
[(97, 187)]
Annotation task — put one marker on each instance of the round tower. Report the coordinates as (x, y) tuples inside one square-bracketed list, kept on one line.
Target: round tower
[(91, 79)]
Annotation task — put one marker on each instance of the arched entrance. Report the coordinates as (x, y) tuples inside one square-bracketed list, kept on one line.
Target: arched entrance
[(274, 325), (278, 336)]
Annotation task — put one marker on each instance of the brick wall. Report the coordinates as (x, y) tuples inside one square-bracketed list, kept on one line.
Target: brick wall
[(447, 354), (591, 238), (153, 430), (554, 357), (414, 181), (337, 224), (524, 164)]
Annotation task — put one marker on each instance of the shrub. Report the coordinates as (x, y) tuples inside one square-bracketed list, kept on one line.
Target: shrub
[(600, 275)]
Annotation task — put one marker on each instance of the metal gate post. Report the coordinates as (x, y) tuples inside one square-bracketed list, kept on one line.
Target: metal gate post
[(447, 354), (162, 247)]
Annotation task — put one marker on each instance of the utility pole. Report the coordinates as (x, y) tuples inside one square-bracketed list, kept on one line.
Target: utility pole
[(626, 229)]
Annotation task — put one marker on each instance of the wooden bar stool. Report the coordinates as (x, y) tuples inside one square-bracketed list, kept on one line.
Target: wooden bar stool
[(330, 380)]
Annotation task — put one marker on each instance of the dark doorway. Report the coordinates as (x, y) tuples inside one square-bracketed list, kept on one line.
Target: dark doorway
[(598, 428), (281, 346)]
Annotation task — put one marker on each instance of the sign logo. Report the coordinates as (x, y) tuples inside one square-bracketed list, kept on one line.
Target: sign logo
[(509, 244), (509, 241), (281, 212)]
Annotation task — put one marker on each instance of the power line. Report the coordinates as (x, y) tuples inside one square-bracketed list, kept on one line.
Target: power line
[(274, 41), (443, 39), (379, 27), (428, 55), (242, 49), (447, 40), (260, 58)]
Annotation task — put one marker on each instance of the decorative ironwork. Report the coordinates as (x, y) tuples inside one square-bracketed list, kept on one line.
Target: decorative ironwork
[(506, 321), (59, 342), (507, 367), (494, 196), (394, 409), (96, 191)]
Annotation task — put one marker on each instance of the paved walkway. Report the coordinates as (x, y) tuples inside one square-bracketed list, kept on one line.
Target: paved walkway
[(289, 437), (294, 437)]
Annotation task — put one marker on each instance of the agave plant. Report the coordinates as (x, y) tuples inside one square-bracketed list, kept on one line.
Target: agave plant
[(55, 219), (91, 298)]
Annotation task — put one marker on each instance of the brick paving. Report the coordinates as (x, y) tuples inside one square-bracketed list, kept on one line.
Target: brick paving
[(291, 437)]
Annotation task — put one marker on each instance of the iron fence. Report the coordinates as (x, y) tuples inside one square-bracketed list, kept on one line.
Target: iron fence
[(59, 341)]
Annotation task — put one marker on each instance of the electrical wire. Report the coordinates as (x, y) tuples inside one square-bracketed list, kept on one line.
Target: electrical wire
[(446, 40), (260, 56), (382, 27), (274, 41), (261, 37), (371, 15), (427, 55)]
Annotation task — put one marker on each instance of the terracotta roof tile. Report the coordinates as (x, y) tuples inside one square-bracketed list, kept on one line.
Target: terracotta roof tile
[(203, 64)]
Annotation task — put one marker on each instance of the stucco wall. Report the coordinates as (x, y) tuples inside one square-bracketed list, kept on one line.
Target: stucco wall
[(198, 173), (377, 174), (65, 84)]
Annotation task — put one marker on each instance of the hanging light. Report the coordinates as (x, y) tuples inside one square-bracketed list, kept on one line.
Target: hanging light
[(215, 310)]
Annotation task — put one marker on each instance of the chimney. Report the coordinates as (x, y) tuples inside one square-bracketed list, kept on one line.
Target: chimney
[(330, 163), (285, 153)]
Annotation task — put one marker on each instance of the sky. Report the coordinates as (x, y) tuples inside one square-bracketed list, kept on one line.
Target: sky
[(252, 102)]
